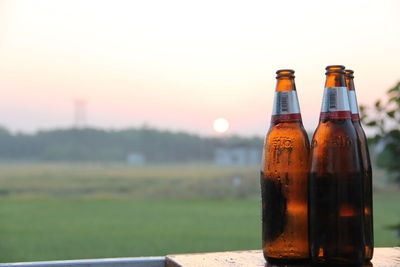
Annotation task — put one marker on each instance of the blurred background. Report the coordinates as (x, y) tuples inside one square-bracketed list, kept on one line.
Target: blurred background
[(135, 128)]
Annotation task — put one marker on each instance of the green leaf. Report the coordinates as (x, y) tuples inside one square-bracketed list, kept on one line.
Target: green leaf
[(378, 104), (395, 134), (374, 140), (391, 113), (396, 88), (363, 117), (371, 123)]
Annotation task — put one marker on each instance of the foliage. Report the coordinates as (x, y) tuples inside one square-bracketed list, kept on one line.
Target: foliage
[(90, 144), (385, 119)]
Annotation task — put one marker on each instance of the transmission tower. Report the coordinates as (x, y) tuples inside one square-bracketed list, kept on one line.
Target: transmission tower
[(79, 112)]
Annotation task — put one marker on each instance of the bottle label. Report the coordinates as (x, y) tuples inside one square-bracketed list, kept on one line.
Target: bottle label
[(353, 105), (335, 104), (286, 107)]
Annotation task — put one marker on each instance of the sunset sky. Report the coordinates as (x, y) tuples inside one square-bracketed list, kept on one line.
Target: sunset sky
[(179, 65)]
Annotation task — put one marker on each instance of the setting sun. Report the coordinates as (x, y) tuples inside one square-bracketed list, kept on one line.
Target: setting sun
[(122, 56), (221, 125)]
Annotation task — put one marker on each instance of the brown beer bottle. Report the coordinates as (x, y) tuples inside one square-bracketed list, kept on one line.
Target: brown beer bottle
[(366, 167), (284, 177), (336, 180)]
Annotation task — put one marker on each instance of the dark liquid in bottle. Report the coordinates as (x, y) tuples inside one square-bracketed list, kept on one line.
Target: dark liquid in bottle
[(336, 205), (368, 220), (274, 212)]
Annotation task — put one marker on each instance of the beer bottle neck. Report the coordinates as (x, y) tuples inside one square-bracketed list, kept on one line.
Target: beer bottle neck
[(285, 84), (286, 105), (335, 104), (335, 79), (355, 117), (350, 83)]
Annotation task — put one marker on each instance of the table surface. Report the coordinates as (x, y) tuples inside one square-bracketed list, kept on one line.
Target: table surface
[(383, 257)]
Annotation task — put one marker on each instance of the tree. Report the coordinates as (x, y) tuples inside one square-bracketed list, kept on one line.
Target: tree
[(385, 119)]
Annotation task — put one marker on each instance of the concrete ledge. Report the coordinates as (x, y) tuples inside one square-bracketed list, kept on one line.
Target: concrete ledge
[(383, 257), (111, 262)]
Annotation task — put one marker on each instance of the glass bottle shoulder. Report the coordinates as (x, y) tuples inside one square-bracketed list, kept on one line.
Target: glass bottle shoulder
[(338, 127), (293, 130)]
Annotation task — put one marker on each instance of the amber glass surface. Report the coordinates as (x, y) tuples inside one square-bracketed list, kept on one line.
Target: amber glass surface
[(284, 176), (367, 170), (367, 264), (336, 188)]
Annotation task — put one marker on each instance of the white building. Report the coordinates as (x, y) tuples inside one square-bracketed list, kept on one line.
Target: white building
[(135, 158), (240, 155)]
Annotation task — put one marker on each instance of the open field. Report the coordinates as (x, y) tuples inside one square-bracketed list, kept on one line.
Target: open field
[(197, 181), (64, 211)]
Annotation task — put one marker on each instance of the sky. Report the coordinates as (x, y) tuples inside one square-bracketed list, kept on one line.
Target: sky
[(179, 65)]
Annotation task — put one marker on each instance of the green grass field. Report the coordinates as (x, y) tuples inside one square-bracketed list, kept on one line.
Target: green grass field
[(53, 212)]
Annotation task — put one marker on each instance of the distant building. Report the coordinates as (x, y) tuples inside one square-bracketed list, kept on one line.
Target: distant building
[(135, 158), (237, 155)]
